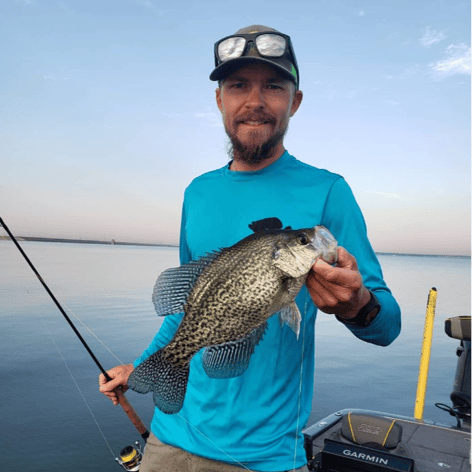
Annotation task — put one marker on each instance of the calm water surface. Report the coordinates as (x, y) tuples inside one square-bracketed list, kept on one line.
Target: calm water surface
[(48, 424)]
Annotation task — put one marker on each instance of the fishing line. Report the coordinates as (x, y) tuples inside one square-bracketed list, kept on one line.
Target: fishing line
[(77, 385), (301, 380), (92, 333)]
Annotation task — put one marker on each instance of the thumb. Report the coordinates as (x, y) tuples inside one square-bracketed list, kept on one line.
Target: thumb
[(320, 265), (346, 260)]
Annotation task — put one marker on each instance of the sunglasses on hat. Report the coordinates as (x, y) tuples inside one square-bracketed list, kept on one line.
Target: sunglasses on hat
[(273, 47)]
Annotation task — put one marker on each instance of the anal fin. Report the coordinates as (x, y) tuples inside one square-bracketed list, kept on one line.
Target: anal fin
[(168, 383)]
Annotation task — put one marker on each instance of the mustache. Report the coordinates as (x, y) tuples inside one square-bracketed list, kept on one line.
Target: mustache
[(251, 116)]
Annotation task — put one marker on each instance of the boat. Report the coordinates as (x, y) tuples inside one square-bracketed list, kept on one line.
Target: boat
[(352, 440)]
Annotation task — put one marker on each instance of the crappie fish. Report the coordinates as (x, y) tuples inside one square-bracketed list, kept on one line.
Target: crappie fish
[(227, 297)]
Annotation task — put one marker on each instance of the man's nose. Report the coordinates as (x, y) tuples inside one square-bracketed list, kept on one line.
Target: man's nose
[(255, 98)]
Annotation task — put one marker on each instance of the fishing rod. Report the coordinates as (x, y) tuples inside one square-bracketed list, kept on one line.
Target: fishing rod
[(129, 456)]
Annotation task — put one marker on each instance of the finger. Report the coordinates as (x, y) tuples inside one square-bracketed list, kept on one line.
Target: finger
[(323, 296), (323, 272), (336, 278), (346, 260), (112, 396), (334, 289), (102, 380), (111, 385), (320, 263), (114, 399)]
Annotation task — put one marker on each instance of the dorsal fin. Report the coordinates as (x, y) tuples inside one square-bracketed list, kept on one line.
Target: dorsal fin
[(174, 285)]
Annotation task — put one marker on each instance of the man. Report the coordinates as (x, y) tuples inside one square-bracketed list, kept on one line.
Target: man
[(255, 421)]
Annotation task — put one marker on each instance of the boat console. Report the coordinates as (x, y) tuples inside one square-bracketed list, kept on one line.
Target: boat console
[(358, 440), (364, 440), (422, 446)]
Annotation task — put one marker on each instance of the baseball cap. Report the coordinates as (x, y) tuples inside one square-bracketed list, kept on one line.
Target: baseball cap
[(255, 43)]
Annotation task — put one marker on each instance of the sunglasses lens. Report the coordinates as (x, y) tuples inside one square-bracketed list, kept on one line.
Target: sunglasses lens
[(271, 45), (231, 48)]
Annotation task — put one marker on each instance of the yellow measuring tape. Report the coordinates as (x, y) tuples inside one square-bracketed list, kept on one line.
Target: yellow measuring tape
[(425, 354)]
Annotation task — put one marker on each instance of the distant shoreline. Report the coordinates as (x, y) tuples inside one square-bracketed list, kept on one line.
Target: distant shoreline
[(112, 242)]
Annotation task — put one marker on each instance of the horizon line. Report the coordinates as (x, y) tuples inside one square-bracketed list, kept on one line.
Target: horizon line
[(112, 242)]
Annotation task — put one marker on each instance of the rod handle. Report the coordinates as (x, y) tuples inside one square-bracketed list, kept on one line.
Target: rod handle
[(131, 413)]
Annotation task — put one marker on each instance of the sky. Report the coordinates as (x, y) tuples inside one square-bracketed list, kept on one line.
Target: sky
[(107, 112)]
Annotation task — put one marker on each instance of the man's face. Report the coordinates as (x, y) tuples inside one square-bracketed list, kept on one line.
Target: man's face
[(257, 103)]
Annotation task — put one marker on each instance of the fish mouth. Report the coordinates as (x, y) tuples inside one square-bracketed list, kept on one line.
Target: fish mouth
[(326, 243)]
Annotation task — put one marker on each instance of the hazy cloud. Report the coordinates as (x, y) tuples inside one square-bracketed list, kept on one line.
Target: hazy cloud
[(410, 71), (456, 61), (212, 118), (172, 115), (431, 37), (145, 3), (340, 92), (54, 77), (361, 13), (384, 194), (390, 103), (150, 6)]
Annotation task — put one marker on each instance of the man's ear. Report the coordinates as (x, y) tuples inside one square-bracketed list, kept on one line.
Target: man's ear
[(297, 100), (219, 101)]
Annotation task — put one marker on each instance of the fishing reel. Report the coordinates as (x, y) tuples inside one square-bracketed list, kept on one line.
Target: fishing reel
[(130, 457)]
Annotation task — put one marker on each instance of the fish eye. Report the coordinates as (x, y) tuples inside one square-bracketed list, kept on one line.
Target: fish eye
[(303, 239)]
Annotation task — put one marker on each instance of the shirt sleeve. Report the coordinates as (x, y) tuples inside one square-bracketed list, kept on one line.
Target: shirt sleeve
[(343, 217), (171, 322), (184, 251)]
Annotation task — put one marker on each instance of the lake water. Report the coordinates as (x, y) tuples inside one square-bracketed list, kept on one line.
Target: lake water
[(48, 424)]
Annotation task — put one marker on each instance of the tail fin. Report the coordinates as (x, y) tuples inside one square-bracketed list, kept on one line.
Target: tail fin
[(168, 383)]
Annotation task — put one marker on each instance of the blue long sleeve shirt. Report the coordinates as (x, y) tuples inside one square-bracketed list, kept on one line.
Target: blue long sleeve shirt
[(256, 420)]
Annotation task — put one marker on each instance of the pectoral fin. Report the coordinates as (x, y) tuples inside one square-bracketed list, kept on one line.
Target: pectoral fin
[(231, 359), (290, 315)]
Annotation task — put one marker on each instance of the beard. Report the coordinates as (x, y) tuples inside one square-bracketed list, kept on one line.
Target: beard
[(253, 151)]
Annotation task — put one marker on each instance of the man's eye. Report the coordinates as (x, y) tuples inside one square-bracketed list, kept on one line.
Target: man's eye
[(275, 87)]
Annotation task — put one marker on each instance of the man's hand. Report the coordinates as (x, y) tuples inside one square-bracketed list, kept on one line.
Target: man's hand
[(338, 290), (119, 377)]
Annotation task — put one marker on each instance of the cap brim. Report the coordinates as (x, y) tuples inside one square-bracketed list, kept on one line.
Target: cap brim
[(229, 67)]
